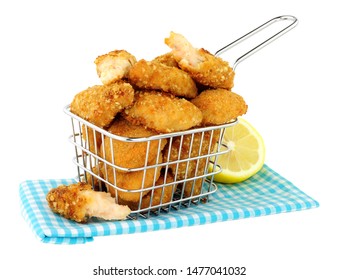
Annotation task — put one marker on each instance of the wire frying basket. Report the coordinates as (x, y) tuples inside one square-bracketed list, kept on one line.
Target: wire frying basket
[(159, 173), (173, 169)]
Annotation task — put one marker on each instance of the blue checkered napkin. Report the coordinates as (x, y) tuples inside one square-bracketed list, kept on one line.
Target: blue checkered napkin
[(265, 193)]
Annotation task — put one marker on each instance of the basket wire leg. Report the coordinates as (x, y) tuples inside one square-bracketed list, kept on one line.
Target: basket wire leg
[(143, 180), (206, 167)]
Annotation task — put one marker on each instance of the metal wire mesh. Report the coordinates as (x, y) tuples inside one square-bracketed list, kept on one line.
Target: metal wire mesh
[(152, 174)]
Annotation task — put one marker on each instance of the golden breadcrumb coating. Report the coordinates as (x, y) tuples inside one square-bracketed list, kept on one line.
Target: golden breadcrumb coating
[(219, 106), (93, 180), (152, 75), (188, 146), (167, 59), (99, 104), (93, 140), (202, 66), (131, 154), (79, 202), (114, 65), (163, 112), (133, 180), (163, 192)]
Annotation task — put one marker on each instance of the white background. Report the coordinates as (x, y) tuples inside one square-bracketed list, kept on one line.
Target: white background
[(46, 56)]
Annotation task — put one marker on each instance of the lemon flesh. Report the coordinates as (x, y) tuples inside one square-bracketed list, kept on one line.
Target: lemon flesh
[(246, 154)]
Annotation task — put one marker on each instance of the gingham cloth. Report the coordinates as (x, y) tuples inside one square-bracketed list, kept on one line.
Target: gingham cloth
[(265, 193)]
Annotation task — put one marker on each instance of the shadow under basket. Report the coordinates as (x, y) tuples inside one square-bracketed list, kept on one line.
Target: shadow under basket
[(152, 175)]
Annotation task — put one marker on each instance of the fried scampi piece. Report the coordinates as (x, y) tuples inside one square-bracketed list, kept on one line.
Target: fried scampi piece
[(186, 147), (194, 187), (167, 59), (79, 202), (203, 67), (133, 181), (219, 106), (152, 75), (162, 193), (130, 154), (93, 179), (99, 104), (92, 137), (163, 112), (114, 65)]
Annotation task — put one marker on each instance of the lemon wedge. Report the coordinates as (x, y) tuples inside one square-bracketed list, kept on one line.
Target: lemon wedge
[(246, 154)]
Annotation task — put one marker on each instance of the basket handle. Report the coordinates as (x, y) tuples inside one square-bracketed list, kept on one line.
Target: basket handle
[(293, 24)]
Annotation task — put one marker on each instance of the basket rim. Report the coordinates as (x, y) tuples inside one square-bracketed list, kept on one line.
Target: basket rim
[(148, 138)]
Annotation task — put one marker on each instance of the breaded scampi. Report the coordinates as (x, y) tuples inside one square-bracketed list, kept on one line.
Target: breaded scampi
[(99, 104), (130, 154), (131, 181), (92, 137), (114, 65), (167, 59), (163, 112), (152, 75), (202, 66), (186, 147), (194, 187), (93, 180), (162, 193), (219, 106), (79, 202)]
